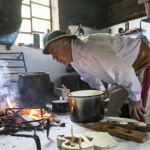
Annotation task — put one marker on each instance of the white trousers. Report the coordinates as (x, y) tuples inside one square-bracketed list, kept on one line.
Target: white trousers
[(118, 95)]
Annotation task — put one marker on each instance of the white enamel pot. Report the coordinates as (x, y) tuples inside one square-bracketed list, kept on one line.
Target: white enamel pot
[(86, 106)]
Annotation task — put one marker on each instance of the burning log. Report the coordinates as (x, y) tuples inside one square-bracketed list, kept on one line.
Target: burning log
[(28, 114), (26, 118), (3, 117), (2, 129), (17, 119), (35, 112)]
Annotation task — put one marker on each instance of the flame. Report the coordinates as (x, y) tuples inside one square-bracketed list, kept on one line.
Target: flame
[(36, 113), (9, 103), (45, 115), (31, 112)]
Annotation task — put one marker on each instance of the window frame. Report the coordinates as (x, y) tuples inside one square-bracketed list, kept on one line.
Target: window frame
[(32, 17)]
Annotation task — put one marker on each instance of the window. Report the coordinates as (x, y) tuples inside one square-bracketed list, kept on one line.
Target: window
[(36, 18)]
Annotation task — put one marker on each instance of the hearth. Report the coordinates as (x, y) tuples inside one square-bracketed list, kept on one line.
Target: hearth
[(16, 120)]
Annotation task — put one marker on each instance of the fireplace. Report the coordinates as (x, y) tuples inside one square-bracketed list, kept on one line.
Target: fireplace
[(16, 120)]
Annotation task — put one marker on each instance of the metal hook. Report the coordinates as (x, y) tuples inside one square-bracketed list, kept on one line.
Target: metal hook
[(77, 29)]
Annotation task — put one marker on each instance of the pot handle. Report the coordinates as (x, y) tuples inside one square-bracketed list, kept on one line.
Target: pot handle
[(105, 100), (67, 99)]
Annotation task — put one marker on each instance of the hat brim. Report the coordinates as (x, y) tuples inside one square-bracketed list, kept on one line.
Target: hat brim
[(45, 50)]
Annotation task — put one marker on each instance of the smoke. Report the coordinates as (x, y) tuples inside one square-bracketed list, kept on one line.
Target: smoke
[(7, 89), (4, 78)]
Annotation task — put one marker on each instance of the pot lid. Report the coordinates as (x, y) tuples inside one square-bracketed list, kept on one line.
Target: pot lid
[(59, 101), (33, 73), (86, 93)]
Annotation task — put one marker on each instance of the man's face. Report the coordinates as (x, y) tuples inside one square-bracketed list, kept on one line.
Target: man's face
[(61, 51)]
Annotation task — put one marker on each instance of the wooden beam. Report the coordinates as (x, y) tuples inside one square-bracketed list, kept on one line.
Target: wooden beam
[(143, 1), (119, 14), (147, 9), (122, 6), (120, 17)]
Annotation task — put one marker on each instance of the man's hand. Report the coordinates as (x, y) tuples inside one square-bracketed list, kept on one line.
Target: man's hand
[(105, 104), (136, 108), (105, 94)]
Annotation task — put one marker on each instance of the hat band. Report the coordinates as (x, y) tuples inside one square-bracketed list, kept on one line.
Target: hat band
[(57, 38)]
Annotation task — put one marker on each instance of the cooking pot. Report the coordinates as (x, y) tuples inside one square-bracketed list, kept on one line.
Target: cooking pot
[(60, 106), (86, 106), (34, 89)]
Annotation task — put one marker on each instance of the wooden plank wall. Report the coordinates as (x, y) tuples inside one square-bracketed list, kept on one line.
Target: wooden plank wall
[(98, 13), (76, 12), (113, 12)]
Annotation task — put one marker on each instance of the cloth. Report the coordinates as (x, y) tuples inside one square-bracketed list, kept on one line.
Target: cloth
[(108, 58), (118, 95), (143, 58), (144, 78)]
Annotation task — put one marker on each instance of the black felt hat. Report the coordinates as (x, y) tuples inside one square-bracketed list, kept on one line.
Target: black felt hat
[(55, 36)]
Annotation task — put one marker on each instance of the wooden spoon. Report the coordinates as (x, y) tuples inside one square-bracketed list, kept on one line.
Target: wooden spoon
[(66, 90)]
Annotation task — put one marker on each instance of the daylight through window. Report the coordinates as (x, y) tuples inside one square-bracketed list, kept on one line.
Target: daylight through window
[(36, 18)]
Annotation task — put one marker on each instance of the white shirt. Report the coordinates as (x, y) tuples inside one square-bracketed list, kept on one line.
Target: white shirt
[(109, 58)]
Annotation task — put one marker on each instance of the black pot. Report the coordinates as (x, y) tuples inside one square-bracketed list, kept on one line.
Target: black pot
[(60, 106), (34, 89)]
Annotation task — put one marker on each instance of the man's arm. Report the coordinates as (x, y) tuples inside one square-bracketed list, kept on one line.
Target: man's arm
[(122, 74), (91, 80)]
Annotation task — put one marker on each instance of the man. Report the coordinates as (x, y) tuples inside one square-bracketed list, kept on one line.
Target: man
[(113, 59)]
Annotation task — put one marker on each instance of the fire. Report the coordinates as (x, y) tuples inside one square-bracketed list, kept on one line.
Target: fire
[(9, 103), (32, 113), (19, 121), (36, 113), (46, 115)]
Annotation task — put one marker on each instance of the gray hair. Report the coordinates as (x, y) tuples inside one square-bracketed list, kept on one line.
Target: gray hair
[(60, 42)]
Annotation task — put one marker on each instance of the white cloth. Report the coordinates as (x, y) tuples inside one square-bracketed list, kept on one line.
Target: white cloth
[(109, 58)]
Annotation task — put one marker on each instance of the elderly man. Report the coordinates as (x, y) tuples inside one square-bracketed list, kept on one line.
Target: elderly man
[(123, 62)]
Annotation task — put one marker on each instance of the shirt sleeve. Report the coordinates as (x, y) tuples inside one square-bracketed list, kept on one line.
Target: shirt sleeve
[(120, 71), (91, 80)]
